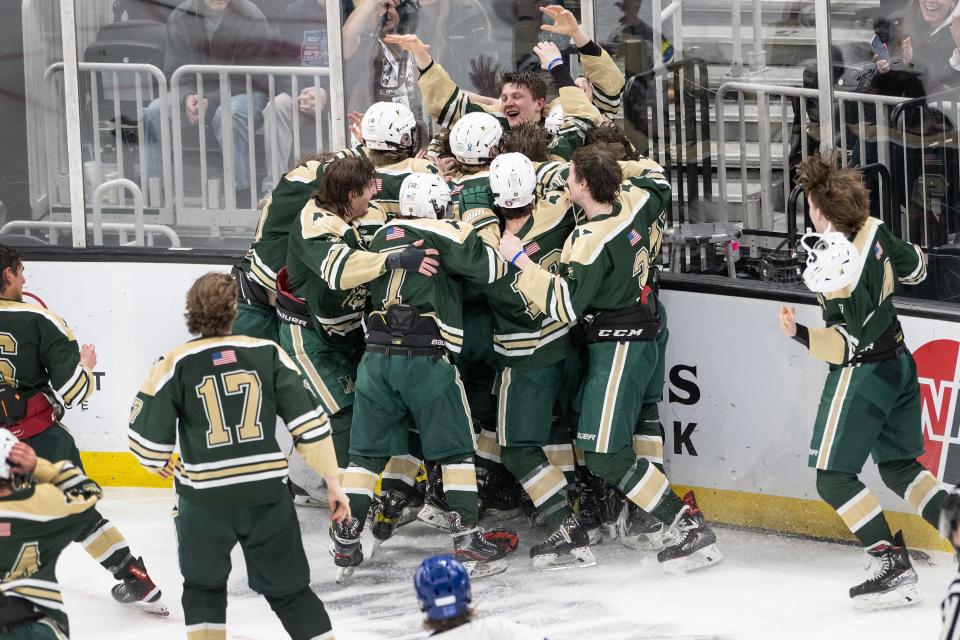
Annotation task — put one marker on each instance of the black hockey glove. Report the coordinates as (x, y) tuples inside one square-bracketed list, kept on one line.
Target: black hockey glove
[(409, 259)]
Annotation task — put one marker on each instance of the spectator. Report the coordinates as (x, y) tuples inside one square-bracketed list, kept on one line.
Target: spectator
[(215, 32), (302, 42), (927, 42)]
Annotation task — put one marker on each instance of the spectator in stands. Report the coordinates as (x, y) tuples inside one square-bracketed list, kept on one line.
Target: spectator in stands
[(302, 42), (927, 40), (216, 32)]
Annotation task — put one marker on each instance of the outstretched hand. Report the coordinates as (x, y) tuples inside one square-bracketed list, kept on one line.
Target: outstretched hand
[(356, 118), (565, 24), (411, 42), (547, 52)]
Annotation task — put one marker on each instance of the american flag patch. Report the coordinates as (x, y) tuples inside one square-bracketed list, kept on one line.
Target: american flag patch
[(456, 189), (5, 530), (395, 233), (531, 248), (634, 238), (878, 250), (378, 183), (227, 356)]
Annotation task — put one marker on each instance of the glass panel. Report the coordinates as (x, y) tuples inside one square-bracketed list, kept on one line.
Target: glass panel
[(33, 170)]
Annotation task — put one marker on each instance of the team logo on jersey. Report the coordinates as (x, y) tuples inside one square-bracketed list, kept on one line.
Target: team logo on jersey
[(878, 250), (938, 371), (395, 233), (348, 385)]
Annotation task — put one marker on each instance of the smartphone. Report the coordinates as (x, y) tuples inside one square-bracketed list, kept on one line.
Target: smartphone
[(878, 48)]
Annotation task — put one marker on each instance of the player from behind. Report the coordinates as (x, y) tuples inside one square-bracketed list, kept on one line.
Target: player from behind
[(219, 397), (602, 281), (43, 507), (43, 364), (443, 591), (870, 404), (406, 374)]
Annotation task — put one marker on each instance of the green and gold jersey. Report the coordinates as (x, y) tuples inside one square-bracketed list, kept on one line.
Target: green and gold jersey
[(605, 261), (390, 177), (462, 253), (38, 352), (857, 315), (269, 250), (551, 176), (329, 268), (524, 336), (473, 204), (607, 80), (446, 104), (220, 397), (37, 522)]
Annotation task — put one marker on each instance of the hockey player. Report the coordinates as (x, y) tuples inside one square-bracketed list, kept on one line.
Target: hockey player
[(219, 397), (523, 94), (42, 362), (256, 275), (443, 591), (406, 374), (950, 529), (603, 274), (870, 403), (531, 348), (322, 294), (44, 507)]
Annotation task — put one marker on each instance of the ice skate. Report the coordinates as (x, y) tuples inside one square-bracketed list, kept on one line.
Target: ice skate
[(568, 547), (480, 556), (136, 589), (347, 552), (894, 583), (692, 544), (499, 495), (639, 530), (387, 517)]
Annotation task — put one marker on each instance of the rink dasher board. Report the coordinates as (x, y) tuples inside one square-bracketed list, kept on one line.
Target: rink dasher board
[(750, 394)]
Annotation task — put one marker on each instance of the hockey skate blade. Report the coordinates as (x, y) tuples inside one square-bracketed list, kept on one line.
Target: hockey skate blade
[(310, 502), (155, 608), (483, 569), (699, 559), (375, 547), (436, 518), (643, 541), (344, 574), (575, 559), (903, 596)]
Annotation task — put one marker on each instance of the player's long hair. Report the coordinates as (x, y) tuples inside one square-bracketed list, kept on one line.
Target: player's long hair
[(9, 259), (211, 305), (528, 139), (344, 180), (837, 191), (439, 626), (597, 166), (612, 135)]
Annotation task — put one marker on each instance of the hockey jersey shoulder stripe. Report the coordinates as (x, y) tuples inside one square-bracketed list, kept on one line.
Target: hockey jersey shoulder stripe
[(305, 173), (165, 367), (46, 504), (443, 228), (316, 221), (592, 237), (862, 241), (12, 306)]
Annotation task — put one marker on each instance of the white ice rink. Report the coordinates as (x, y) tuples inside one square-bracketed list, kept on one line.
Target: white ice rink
[(767, 587)]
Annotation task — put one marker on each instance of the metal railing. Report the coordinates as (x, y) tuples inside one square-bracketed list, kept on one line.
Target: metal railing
[(677, 138), (208, 210), (797, 133), (148, 82), (55, 227)]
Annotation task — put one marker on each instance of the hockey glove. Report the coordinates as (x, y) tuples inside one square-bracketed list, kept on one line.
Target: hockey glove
[(410, 259)]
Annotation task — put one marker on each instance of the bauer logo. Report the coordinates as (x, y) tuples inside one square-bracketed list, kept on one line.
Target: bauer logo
[(938, 369)]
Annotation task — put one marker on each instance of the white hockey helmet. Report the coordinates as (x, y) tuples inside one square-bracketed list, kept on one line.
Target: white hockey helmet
[(554, 119), (7, 440), (424, 195), (832, 261), (474, 137), (513, 180), (388, 126)]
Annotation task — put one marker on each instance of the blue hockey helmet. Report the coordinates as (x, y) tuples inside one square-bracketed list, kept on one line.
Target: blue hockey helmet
[(443, 587)]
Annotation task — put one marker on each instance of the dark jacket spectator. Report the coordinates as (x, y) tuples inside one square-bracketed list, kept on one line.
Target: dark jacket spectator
[(219, 32)]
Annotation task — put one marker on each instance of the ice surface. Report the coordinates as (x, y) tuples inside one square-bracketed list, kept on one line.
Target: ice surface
[(767, 587)]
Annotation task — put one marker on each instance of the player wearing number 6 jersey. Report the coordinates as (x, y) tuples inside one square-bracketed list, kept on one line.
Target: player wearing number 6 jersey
[(220, 396), (43, 371)]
